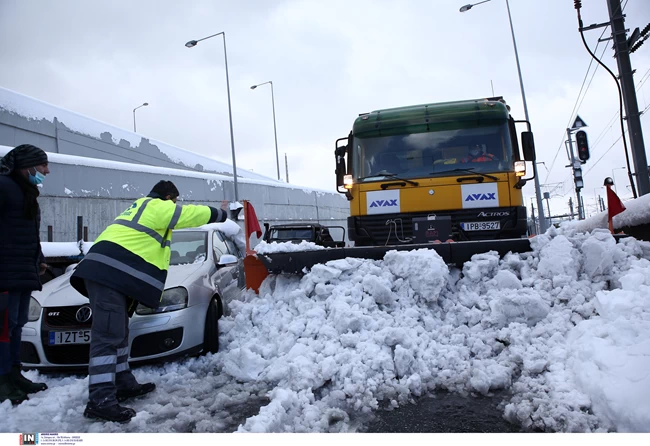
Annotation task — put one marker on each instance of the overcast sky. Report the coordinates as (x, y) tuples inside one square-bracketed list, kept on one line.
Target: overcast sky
[(329, 61)]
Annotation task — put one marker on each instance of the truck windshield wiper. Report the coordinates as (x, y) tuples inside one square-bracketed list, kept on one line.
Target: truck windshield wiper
[(471, 170), (384, 174)]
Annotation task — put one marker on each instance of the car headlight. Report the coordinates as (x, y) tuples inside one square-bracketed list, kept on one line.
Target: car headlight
[(172, 299), (34, 310)]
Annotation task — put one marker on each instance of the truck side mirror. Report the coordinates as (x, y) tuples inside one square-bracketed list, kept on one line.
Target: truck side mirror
[(340, 171), (528, 146)]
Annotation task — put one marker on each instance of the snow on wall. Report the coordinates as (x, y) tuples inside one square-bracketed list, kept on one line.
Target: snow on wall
[(33, 109)]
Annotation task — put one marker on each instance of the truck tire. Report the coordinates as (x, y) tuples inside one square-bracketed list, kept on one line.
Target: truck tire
[(211, 337)]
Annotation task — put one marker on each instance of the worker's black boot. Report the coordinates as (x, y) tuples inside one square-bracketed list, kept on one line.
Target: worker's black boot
[(23, 383), (116, 413), (8, 391), (139, 390)]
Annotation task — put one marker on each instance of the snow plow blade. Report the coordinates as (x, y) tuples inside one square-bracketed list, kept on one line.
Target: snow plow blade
[(454, 253)]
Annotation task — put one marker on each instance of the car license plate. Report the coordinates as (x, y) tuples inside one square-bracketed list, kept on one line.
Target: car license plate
[(481, 226), (69, 337)]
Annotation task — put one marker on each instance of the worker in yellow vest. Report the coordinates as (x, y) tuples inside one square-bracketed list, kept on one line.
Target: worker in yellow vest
[(128, 265)]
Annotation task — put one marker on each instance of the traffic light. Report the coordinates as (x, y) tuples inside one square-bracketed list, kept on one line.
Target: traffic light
[(583, 145), (577, 177)]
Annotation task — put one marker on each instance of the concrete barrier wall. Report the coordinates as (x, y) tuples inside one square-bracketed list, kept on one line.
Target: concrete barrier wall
[(97, 170)]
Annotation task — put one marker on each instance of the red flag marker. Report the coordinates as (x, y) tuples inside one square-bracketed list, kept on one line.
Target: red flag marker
[(614, 206)]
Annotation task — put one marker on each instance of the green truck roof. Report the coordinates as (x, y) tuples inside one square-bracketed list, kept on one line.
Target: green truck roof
[(430, 117)]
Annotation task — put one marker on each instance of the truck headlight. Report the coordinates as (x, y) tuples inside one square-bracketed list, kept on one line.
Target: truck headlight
[(172, 299), (520, 168), (348, 181), (34, 310)]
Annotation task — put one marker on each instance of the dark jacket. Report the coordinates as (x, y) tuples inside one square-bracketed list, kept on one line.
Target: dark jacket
[(20, 244)]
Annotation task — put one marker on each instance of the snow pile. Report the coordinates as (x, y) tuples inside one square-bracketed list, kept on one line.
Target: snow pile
[(564, 330), (273, 247)]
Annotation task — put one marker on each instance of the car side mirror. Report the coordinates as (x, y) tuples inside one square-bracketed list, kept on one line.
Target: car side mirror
[(227, 259)]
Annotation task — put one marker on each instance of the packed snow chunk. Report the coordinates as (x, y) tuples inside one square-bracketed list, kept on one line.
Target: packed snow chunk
[(523, 306), (424, 270), (602, 349), (244, 365), (481, 266), (559, 261), (506, 280), (600, 253), (379, 288)]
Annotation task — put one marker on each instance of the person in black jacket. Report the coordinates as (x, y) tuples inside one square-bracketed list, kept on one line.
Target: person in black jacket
[(21, 261)]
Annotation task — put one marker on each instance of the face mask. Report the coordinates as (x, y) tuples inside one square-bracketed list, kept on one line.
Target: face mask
[(37, 178)]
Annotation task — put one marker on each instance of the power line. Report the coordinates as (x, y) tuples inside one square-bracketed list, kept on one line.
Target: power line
[(577, 106)]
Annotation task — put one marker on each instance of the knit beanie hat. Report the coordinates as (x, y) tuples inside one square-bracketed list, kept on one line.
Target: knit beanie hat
[(22, 157)]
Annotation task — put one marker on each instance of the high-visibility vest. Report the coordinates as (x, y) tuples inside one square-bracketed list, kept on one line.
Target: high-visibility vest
[(132, 254)]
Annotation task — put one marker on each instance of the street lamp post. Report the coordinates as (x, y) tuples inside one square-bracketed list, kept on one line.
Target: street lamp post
[(143, 105), (614, 177), (192, 43), (275, 132), (538, 193)]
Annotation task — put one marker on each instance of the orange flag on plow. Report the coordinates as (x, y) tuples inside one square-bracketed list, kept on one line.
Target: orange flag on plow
[(614, 206), (255, 270)]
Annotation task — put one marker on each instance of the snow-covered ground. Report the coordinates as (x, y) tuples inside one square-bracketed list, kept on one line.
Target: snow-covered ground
[(565, 329)]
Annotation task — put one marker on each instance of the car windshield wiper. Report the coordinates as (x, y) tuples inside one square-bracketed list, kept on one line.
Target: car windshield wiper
[(384, 174), (470, 170)]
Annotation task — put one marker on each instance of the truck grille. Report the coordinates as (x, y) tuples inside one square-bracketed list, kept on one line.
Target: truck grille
[(385, 234)]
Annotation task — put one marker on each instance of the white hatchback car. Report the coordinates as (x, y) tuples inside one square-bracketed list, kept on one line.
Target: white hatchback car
[(205, 274)]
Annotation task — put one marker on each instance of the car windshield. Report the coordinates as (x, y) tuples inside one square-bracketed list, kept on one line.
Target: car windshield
[(419, 155), (188, 247)]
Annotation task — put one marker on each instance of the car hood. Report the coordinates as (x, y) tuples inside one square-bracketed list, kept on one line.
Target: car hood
[(177, 274), (58, 292)]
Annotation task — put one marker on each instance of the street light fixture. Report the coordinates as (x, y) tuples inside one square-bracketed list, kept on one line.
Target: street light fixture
[(275, 132), (143, 105), (538, 193), (193, 43)]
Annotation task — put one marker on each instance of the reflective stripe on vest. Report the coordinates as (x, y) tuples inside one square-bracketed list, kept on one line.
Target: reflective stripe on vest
[(101, 258), (173, 221), (133, 224)]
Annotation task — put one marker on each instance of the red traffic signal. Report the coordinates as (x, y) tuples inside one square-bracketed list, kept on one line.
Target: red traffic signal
[(583, 145)]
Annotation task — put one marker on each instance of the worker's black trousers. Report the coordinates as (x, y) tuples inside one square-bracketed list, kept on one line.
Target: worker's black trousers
[(108, 368)]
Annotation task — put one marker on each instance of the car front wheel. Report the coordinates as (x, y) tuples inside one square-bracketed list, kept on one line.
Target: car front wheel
[(211, 337)]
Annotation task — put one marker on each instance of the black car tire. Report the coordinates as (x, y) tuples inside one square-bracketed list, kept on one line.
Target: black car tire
[(211, 337)]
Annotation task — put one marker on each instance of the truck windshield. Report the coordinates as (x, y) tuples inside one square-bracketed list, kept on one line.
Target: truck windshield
[(432, 154)]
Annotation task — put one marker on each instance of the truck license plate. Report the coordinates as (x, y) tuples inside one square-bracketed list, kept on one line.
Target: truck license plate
[(481, 226), (70, 337)]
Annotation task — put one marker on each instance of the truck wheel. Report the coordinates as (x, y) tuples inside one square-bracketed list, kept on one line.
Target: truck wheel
[(211, 337)]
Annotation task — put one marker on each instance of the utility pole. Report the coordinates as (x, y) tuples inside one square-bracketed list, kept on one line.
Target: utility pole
[(571, 207), (286, 165), (625, 72), (532, 206)]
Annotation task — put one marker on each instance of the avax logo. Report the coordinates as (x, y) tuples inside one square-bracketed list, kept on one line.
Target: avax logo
[(383, 203), (481, 197)]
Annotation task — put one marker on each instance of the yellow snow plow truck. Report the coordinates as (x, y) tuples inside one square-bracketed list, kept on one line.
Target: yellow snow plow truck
[(445, 176)]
